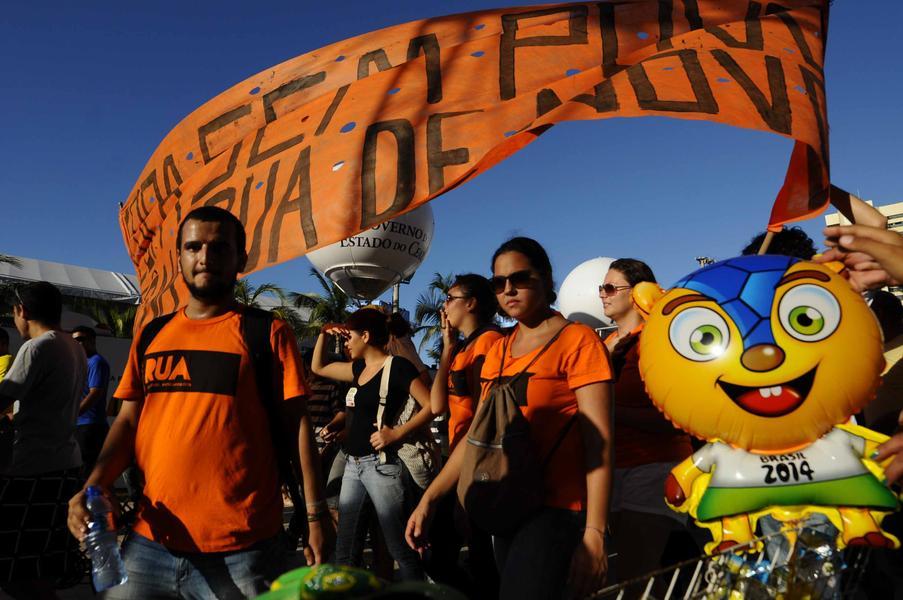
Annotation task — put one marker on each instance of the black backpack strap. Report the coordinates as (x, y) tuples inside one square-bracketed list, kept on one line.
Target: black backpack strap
[(256, 325), (147, 335)]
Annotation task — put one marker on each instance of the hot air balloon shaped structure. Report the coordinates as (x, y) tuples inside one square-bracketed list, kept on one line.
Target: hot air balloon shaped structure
[(367, 264), (766, 358)]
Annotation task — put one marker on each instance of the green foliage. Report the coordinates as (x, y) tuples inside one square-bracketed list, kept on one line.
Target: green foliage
[(117, 317), (426, 314), (330, 306)]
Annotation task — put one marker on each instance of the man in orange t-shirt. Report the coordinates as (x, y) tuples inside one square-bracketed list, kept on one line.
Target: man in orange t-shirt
[(210, 518)]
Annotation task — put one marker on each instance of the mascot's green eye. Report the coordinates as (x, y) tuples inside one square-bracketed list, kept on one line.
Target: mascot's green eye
[(806, 320), (706, 340), (699, 334), (809, 313)]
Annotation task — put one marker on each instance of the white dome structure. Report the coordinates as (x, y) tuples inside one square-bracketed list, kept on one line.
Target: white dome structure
[(578, 296), (367, 264)]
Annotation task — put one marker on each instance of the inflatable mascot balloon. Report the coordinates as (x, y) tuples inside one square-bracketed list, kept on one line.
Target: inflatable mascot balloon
[(766, 358)]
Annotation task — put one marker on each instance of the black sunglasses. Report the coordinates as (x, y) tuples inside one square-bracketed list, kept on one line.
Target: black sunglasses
[(518, 279), (610, 289)]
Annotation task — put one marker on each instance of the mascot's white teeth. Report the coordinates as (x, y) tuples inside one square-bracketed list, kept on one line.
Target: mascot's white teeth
[(769, 392)]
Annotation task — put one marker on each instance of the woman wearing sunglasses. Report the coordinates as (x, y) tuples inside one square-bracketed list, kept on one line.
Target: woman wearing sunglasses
[(366, 333), (646, 445), (558, 550), (468, 312)]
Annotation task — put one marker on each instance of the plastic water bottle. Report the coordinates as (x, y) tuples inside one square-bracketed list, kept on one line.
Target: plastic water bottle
[(107, 568)]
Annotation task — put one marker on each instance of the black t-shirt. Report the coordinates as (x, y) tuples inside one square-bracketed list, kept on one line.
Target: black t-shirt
[(366, 401)]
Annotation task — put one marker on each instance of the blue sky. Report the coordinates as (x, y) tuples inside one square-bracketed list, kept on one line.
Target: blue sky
[(91, 89)]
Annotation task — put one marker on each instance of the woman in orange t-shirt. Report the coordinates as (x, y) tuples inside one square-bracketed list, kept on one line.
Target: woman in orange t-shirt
[(468, 311), (559, 549), (647, 445)]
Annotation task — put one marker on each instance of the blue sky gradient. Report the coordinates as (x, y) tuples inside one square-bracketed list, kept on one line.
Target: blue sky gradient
[(92, 88)]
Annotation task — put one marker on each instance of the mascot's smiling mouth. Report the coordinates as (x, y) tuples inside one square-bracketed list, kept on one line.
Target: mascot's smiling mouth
[(772, 401)]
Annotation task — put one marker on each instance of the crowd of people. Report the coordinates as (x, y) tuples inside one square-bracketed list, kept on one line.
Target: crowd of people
[(222, 414)]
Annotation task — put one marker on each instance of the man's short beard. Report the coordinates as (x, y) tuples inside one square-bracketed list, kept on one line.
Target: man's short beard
[(215, 291)]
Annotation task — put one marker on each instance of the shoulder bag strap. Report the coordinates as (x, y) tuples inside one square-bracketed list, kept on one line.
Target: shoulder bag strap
[(147, 336), (383, 395), (541, 352)]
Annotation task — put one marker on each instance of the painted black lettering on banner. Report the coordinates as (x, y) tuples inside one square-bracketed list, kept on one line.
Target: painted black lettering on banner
[(377, 57), (546, 100), (797, 32), (269, 113), (216, 124), (603, 98), (150, 182), (754, 39), (245, 201), (429, 45), (609, 34), (405, 179), (257, 236), (509, 41), (815, 90), (170, 174), (666, 21), (221, 178), (298, 180), (226, 196), (648, 98), (777, 114), (436, 157), (327, 117)]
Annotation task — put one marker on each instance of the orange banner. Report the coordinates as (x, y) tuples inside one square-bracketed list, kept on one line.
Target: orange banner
[(337, 140)]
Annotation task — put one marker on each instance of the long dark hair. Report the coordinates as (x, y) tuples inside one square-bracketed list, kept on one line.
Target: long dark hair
[(634, 271), (378, 324), (478, 287), (538, 258)]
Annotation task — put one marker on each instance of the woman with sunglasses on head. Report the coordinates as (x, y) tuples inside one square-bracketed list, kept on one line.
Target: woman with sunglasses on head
[(646, 445), (558, 550), (468, 312), (367, 475)]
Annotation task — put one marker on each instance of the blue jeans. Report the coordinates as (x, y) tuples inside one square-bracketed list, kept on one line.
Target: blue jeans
[(534, 561), (155, 572), (384, 485)]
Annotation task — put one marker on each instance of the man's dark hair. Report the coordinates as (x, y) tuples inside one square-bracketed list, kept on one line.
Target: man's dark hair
[(791, 241), (634, 271), (86, 331), (4, 337), (478, 287), (537, 257), (42, 301), (215, 214)]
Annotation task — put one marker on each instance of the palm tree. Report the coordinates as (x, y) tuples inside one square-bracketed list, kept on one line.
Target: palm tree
[(10, 260), (117, 317), (8, 290), (247, 294), (426, 313), (329, 307)]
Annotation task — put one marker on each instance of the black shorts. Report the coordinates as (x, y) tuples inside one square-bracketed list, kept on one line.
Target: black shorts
[(35, 542)]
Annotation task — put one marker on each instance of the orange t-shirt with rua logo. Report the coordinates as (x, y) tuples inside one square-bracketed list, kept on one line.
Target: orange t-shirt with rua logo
[(203, 439)]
